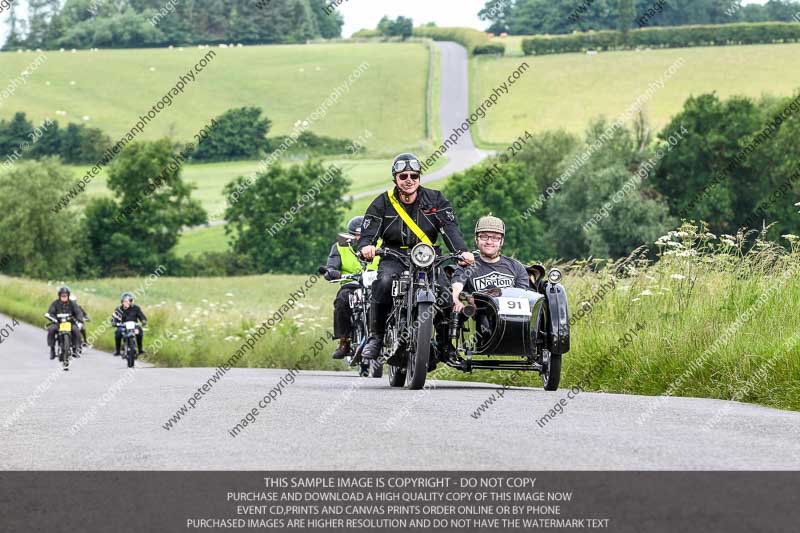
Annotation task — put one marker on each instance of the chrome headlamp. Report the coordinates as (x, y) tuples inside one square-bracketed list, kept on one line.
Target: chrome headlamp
[(423, 255), (554, 276)]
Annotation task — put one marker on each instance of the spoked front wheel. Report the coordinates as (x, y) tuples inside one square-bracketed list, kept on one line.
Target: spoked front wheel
[(64, 355), (131, 353), (420, 349)]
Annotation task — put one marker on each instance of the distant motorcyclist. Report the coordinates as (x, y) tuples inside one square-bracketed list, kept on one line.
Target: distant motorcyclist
[(127, 312), (63, 305), (425, 214), (491, 269), (342, 260)]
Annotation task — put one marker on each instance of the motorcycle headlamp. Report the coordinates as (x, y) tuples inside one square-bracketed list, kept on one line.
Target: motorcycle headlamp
[(554, 276), (423, 255)]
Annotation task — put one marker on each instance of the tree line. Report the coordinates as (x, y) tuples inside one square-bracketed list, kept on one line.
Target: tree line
[(239, 133), (52, 24), (733, 163), (530, 17)]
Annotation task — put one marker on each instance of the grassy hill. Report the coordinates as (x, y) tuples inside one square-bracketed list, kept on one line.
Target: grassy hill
[(567, 90), (113, 87)]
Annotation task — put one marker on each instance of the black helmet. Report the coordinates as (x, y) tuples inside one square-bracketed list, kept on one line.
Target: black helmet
[(405, 162), (63, 289), (354, 225), (125, 295)]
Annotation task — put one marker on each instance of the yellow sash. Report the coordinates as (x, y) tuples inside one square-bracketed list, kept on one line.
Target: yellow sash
[(408, 220)]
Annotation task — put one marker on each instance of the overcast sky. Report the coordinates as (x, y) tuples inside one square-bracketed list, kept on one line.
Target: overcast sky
[(360, 14)]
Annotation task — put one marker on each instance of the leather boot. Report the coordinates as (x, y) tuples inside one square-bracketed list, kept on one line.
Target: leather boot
[(343, 349), (378, 315)]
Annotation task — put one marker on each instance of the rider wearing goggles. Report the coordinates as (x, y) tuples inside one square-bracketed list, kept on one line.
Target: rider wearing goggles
[(432, 215)]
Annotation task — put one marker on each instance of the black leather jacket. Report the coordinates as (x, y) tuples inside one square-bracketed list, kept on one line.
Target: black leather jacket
[(58, 307), (431, 211), (132, 314)]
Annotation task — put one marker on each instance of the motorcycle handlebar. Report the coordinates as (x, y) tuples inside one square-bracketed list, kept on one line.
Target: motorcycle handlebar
[(406, 259)]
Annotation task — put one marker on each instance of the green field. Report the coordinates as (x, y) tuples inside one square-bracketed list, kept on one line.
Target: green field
[(567, 90), (705, 308), (113, 87), (210, 178)]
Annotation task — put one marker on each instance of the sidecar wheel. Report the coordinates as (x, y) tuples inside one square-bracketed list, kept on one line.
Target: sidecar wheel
[(551, 375)]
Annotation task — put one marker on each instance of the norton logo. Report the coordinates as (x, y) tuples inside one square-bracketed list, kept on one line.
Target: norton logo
[(493, 279)]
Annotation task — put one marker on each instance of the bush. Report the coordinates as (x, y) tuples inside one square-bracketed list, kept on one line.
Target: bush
[(299, 221), (467, 37), (311, 143), (665, 37), (213, 264), (238, 133), (366, 34), (33, 242), (490, 49)]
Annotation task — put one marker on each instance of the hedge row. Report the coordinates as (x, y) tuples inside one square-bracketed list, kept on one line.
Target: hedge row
[(666, 37), (490, 49), (468, 37)]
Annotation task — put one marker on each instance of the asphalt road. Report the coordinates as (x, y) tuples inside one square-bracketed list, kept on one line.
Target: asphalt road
[(330, 420)]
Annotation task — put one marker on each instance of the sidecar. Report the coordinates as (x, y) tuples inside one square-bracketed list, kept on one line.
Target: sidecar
[(515, 329)]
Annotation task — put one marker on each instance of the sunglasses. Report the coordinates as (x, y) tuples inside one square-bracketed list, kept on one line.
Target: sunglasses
[(490, 238), (408, 176), (406, 164)]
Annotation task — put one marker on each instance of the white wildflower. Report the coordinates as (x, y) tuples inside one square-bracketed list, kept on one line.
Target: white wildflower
[(678, 276)]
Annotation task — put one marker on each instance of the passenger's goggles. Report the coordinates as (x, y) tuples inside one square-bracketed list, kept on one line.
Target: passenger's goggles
[(406, 164)]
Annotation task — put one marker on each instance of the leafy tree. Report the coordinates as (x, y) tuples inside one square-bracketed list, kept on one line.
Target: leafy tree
[(627, 12), (13, 133), (238, 133), (81, 144), (330, 26), (508, 191), (778, 164), (137, 230), (126, 23), (49, 144), (526, 17), (38, 244), (478, 191), (596, 216), (266, 224), (700, 176), (602, 209), (400, 27)]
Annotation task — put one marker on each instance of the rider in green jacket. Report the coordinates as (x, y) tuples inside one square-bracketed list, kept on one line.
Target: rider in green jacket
[(342, 260)]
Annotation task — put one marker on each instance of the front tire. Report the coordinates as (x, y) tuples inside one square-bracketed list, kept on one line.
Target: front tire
[(131, 353), (64, 356), (551, 374), (420, 351)]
